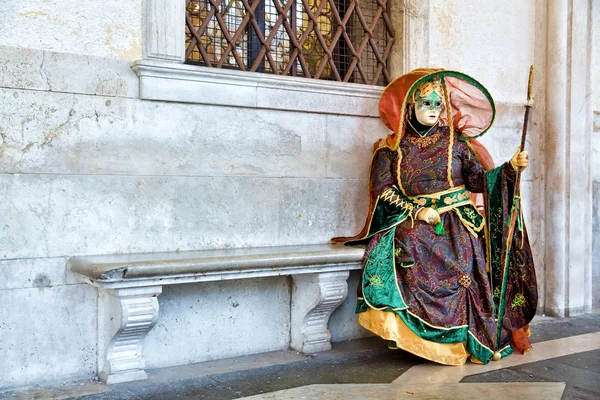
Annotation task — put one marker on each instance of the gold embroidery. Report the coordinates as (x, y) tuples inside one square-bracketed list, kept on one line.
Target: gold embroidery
[(474, 230), (398, 175), (470, 213), (424, 142), (421, 202), (451, 127), (518, 301), (449, 200), (376, 280), (393, 198), (465, 281), (459, 198), (438, 195)]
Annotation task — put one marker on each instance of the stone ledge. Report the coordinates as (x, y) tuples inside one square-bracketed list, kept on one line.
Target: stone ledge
[(164, 81), (146, 269)]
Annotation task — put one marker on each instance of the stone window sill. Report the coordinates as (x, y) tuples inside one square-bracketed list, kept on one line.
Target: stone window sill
[(165, 81)]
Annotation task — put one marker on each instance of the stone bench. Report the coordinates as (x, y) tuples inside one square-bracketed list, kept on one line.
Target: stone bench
[(130, 285)]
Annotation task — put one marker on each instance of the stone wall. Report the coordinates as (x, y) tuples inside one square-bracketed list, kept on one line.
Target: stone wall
[(88, 168), (596, 150), (110, 28)]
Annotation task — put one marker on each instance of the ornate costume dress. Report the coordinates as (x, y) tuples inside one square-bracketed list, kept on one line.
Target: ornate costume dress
[(439, 291)]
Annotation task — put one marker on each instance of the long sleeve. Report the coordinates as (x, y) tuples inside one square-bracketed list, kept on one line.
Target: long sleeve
[(392, 206), (472, 170), (388, 206), (381, 171)]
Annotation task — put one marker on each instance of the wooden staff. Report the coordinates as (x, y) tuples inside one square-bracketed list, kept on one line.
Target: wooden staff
[(517, 192), (523, 344)]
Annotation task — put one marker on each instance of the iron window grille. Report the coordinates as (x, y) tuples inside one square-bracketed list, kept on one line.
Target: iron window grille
[(341, 40)]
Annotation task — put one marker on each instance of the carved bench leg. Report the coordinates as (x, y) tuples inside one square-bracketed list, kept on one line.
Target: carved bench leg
[(314, 298), (131, 313)]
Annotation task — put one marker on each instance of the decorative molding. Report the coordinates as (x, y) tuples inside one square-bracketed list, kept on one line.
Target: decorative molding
[(314, 298), (164, 81), (164, 30), (124, 359)]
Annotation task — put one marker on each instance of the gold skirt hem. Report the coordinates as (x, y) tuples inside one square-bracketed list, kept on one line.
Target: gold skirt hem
[(389, 326)]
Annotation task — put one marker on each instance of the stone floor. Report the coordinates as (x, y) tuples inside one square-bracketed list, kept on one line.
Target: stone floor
[(565, 364)]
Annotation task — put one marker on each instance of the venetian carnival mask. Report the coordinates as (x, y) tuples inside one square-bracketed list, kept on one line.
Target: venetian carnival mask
[(428, 102)]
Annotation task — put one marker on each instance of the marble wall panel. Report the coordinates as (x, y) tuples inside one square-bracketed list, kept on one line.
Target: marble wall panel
[(47, 334), (313, 211), (596, 206), (33, 272), (497, 52), (350, 145), (596, 269), (64, 133), (110, 28), (68, 215), (596, 54), (596, 148), (25, 68), (207, 321), (596, 244), (502, 143)]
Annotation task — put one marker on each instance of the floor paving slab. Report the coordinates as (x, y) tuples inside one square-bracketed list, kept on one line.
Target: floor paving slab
[(365, 361), (580, 371), (547, 391)]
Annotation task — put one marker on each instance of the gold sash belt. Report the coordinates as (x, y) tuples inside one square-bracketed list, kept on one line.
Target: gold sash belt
[(444, 201)]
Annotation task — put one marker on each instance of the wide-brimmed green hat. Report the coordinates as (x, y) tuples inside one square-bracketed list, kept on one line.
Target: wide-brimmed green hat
[(467, 104)]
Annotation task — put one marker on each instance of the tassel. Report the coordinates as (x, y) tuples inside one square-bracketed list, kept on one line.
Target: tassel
[(521, 228), (439, 229)]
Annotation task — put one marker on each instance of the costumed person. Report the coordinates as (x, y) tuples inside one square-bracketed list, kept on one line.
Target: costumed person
[(440, 279)]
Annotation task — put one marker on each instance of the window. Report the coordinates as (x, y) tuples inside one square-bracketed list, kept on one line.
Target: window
[(342, 40)]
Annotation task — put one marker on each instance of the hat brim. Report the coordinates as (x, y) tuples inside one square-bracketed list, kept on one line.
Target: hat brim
[(472, 107)]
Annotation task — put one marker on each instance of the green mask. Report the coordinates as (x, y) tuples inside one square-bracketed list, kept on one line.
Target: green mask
[(431, 102), (428, 108)]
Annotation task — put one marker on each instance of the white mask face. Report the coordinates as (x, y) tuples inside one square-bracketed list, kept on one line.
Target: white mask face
[(428, 109)]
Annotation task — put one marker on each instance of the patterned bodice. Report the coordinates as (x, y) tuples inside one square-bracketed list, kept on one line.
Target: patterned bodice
[(424, 162)]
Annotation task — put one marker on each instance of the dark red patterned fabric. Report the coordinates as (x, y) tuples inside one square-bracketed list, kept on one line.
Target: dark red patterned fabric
[(431, 282)]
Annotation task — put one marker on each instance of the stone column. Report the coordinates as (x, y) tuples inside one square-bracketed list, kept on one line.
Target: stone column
[(568, 159), (164, 30), (410, 19)]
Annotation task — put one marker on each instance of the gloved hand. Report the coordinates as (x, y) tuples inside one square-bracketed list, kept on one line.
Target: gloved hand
[(520, 160), (429, 215)]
